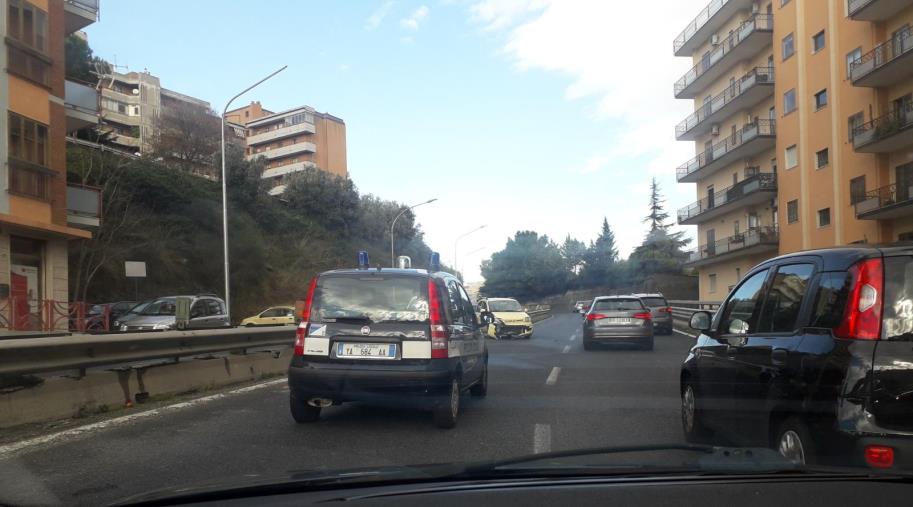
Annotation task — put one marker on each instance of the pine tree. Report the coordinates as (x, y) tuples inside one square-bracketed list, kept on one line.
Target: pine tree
[(658, 216), (601, 258)]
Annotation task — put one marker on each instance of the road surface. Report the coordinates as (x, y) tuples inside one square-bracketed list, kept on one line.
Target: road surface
[(544, 394)]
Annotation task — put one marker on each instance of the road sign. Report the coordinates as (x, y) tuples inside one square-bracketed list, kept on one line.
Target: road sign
[(135, 269)]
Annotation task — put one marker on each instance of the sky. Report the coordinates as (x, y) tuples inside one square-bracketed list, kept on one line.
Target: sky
[(543, 115)]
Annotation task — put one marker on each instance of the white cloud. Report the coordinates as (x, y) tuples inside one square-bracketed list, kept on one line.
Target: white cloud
[(499, 14), (415, 19), (377, 17)]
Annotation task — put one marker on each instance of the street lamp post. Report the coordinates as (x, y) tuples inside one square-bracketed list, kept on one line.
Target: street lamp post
[(392, 254), (225, 192), (457, 241)]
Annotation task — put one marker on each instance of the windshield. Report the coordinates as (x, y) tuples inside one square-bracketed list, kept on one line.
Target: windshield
[(504, 305), (373, 298), (384, 214)]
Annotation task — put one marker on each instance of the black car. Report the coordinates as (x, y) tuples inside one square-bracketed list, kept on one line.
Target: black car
[(403, 336), (811, 354)]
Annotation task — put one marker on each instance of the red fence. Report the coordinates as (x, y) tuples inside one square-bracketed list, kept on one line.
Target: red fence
[(18, 313)]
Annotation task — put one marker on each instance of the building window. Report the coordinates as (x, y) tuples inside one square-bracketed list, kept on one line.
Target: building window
[(789, 102), (28, 140), (792, 156), (851, 57), (824, 217), (857, 189), (28, 65), (28, 24), (792, 211), (783, 2), (821, 158), (905, 236), (773, 165), (788, 46), (818, 41), (711, 282), (820, 99), (852, 123), (738, 274)]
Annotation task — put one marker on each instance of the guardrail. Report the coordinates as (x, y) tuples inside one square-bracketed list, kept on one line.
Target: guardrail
[(683, 309), (42, 355), (537, 315)]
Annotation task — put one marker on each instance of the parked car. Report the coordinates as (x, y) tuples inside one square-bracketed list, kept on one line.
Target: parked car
[(129, 314), (101, 317), (581, 306), (661, 311), (812, 355), (398, 336), (159, 315), (273, 316), (505, 318), (618, 319)]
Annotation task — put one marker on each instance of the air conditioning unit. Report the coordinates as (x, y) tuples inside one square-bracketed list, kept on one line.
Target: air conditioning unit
[(714, 39), (715, 130)]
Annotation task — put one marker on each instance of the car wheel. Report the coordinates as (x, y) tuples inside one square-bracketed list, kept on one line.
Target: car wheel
[(302, 412), (447, 411), (249, 324), (793, 441), (480, 389), (693, 416)]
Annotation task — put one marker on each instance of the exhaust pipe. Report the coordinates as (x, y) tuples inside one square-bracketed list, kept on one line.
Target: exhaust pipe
[(320, 402)]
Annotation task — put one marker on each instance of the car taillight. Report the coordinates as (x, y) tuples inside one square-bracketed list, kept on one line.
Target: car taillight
[(595, 316), (862, 317), (667, 309), (439, 335), (879, 456), (302, 331), (643, 316)]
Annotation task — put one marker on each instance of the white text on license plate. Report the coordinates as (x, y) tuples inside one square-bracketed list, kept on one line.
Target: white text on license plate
[(619, 320), (366, 350)]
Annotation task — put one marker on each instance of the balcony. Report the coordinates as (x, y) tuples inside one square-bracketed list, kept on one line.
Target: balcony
[(750, 140), (79, 14), (285, 151), (752, 241), (886, 203), (281, 133), (706, 23), (748, 192), (128, 98), (888, 64), (83, 206), (287, 169), (874, 10), (753, 87), (886, 134), (81, 103), (277, 190), (747, 40), (123, 119)]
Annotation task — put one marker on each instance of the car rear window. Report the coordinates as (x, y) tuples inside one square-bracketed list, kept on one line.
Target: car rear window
[(830, 300), (898, 299), (504, 305), (377, 298), (654, 302), (617, 305)]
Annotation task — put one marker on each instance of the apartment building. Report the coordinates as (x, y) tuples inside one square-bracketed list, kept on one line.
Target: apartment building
[(291, 141), (835, 165), (40, 106)]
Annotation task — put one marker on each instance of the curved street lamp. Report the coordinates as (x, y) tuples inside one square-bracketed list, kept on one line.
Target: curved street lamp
[(392, 254)]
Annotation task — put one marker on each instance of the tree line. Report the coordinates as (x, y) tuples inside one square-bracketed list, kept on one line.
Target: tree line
[(533, 265)]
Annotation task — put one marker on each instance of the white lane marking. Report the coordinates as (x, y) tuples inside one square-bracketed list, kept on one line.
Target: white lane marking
[(8, 449), (553, 376), (685, 334), (574, 338), (542, 438), (567, 348)]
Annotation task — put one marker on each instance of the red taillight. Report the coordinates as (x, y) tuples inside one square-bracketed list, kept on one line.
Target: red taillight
[(879, 456), (643, 316), (302, 331), (595, 316), (439, 337), (667, 309), (862, 318)]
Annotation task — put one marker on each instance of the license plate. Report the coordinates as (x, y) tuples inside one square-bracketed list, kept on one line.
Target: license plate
[(366, 350), (619, 321)]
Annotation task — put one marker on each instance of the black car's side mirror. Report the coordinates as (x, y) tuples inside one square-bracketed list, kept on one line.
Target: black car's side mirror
[(700, 321)]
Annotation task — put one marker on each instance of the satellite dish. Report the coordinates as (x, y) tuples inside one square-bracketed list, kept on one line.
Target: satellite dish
[(136, 91)]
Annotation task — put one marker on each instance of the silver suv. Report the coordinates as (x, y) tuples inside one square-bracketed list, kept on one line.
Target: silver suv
[(159, 315), (660, 310)]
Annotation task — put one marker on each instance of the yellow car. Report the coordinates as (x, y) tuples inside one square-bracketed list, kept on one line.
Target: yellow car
[(505, 318), (274, 316)]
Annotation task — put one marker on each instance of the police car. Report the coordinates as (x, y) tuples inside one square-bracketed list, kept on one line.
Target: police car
[(398, 335)]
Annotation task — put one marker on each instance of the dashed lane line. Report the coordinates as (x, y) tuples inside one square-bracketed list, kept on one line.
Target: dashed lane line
[(567, 348), (689, 335), (542, 438), (553, 376)]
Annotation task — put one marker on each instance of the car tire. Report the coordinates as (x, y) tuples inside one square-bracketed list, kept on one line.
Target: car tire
[(447, 410), (480, 389), (693, 424), (302, 412), (794, 442), (248, 325)]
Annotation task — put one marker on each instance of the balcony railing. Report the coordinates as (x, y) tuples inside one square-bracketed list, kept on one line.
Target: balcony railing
[(886, 133), (81, 101), (751, 186), (862, 71), (755, 23), (83, 205), (874, 10), (750, 81), (759, 236), (79, 14), (697, 23), (751, 131), (892, 201)]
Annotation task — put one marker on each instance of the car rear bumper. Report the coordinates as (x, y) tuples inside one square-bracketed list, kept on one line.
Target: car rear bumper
[(664, 321), (366, 383), (618, 335), (902, 446)]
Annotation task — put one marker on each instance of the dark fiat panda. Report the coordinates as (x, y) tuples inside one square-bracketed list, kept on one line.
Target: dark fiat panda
[(812, 354), (398, 336)]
